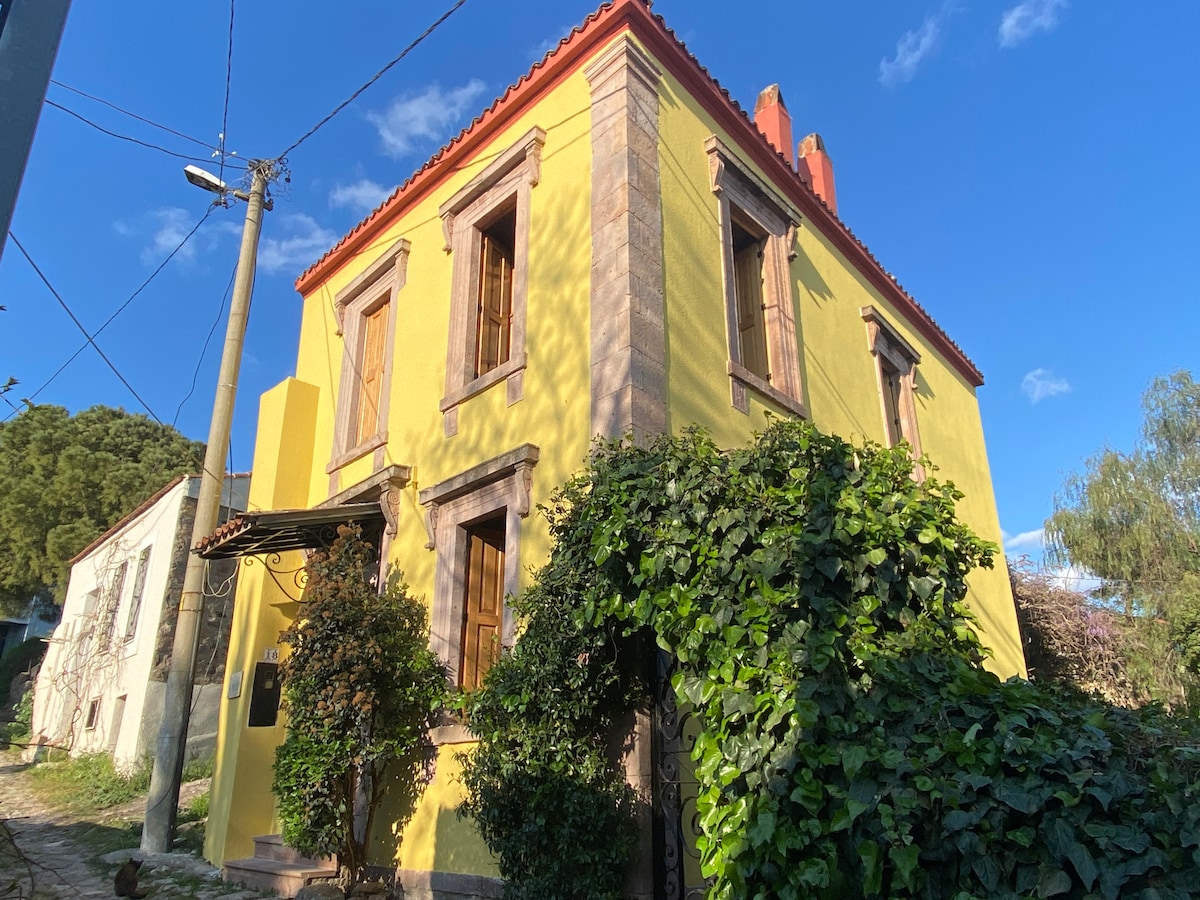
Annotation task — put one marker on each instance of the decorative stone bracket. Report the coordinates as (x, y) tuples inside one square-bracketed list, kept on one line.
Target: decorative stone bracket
[(512, 471)]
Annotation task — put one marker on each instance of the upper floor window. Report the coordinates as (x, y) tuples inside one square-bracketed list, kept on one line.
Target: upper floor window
[(757, 229), (896, 370), (112, 600), (494, 327), (367, 321), (486, 226), (135, 599)]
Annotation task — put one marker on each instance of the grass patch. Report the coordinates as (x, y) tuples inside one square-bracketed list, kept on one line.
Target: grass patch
[(89, 782), (195, 769), (195, 810)]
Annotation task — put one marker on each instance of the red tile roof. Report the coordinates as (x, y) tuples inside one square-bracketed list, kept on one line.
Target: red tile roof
[(562, 61)]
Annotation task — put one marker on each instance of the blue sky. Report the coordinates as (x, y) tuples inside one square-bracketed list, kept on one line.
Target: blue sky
[(1026, 168)]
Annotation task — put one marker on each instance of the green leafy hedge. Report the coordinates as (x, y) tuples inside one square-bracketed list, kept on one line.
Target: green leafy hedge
[(851, 744)]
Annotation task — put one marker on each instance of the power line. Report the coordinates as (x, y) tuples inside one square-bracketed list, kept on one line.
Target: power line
[(204, 349), (403, 53), (79, 325), (125, 137), (120, 309), (133, 115), (225, 107)]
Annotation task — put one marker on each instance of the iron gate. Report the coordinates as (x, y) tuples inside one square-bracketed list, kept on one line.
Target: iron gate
[(677, 862)]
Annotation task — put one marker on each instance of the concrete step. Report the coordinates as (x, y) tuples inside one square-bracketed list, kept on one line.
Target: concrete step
[(281, 877), (271, 846)]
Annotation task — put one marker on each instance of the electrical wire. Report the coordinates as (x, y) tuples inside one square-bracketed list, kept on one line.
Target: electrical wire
[(125, 137), (79, 325), (162, 265), (403, 53), (225, 107), (204, 349), (133, 115)]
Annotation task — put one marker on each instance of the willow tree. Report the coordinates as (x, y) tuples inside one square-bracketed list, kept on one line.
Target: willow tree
[(1133, 520)]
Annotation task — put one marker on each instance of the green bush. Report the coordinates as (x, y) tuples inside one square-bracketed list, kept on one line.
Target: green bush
[(17, 731), (361, 690), (851, 745)]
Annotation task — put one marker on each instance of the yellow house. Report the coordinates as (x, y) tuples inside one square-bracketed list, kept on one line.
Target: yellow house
[(613, 246)]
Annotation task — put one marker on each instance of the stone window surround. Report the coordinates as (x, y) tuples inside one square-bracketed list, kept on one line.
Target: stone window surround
[(885, 343), (509, 178), (502, 484), (735, 185), (378, 285)]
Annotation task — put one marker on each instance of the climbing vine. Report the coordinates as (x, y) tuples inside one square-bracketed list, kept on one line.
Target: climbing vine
[(851, 744), (361, 690)]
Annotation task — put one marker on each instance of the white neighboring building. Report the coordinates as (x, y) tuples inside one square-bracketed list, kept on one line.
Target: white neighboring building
[(101, 685)]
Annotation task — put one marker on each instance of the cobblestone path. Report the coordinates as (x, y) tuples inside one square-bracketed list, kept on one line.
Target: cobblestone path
[(46, 854)]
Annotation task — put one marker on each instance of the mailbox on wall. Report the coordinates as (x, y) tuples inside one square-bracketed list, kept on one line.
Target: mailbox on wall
[(264, 695)]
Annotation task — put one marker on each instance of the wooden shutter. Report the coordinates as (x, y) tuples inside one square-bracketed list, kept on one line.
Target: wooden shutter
[(752, 326), (484, 607), (892, 387), (494, 328), (371, 383), (135, 600)]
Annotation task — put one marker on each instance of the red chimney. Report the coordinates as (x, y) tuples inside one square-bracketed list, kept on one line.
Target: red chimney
[(771, 117), (816, 168)]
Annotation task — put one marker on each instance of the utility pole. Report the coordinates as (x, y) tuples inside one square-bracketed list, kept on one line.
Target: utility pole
[(163, 799)]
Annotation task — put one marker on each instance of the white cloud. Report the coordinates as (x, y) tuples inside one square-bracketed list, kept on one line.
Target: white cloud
[(1025, 541), (425, 118), (1042, 383), (1029, 17), (303, 242), (1074, 578), (911, 49), (170, 226), (545, 46), (362, 196)]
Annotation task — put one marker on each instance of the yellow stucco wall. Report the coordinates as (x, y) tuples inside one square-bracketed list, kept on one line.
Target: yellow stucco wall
[(840, 383), (296, 422), (241, 802), (554, 415)]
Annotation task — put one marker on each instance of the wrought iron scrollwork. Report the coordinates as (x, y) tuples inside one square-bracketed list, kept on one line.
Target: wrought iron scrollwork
[(290, 581), (675, 792)]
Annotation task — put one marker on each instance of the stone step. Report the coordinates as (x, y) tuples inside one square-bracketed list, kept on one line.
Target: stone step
[(271, 846), (281, 877)]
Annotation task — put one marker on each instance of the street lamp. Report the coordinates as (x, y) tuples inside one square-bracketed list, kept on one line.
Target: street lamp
[(205, 180), (163, 799)]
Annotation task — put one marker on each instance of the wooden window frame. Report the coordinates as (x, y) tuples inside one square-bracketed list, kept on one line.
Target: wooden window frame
[(377, 287), (92, 718), (470, 676), (743, 196), (505, 182), (135, 597), (891, 351), (501, 486), (107, 625)]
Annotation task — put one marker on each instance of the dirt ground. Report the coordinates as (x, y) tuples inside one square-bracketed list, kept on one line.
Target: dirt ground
[(48, 853)]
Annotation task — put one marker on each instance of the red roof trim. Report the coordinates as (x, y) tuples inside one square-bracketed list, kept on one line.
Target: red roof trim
[(561, 62), (554, 68)]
